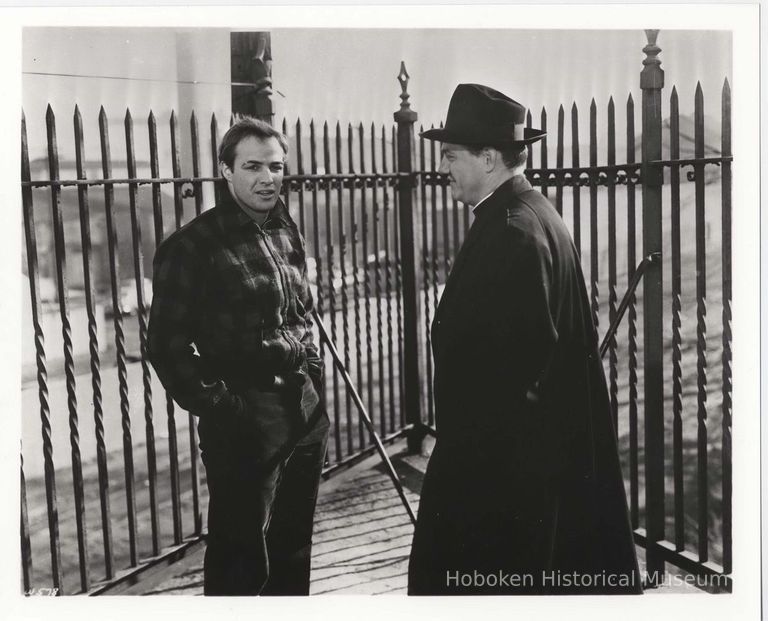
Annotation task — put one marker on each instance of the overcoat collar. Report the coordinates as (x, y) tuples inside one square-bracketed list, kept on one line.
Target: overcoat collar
[(510, 188)]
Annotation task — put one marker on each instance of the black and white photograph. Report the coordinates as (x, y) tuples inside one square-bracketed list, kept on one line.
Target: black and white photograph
[(385, 301)]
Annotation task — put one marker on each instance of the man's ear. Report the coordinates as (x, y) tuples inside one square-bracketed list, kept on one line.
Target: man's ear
[(226, 171), (490, 157)]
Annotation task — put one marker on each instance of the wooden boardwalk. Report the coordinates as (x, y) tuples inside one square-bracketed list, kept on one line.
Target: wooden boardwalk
[(362, 536)]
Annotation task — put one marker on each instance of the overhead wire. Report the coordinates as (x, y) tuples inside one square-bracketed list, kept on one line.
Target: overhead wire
[(135, 79)]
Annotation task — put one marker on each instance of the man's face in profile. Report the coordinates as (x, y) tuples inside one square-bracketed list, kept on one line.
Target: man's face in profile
[(465, 171)]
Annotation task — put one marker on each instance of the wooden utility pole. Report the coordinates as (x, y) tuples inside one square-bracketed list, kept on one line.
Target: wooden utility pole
[(251, 58)]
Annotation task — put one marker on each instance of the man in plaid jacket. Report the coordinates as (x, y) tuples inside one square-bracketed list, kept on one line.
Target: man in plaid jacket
[(230, 337)]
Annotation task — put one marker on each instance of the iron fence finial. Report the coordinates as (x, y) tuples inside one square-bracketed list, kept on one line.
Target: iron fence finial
[(403, 78), (652, 62)]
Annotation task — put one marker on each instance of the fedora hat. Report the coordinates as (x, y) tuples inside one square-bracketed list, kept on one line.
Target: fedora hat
[(481, 116)]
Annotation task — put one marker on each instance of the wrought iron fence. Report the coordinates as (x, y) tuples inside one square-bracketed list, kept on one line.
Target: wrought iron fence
[(382, 229)]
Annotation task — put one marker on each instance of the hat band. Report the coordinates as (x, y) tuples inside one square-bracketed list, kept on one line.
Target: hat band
[(519, 131)]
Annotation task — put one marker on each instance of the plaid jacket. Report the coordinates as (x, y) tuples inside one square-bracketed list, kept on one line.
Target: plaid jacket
[(238, 293)]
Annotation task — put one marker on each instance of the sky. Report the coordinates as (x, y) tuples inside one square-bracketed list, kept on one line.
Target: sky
[(350, 74), (534, 67)]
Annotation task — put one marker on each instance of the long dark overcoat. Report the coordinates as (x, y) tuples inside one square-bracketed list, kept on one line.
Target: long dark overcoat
[(524, 479)]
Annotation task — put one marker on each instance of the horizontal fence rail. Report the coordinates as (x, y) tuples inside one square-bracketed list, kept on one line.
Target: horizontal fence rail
[(106, 492)]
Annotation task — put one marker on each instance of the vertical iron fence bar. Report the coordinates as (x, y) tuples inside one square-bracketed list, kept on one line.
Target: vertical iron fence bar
[(377, 278), (178, 202), (300, 187), (173, 452), (365, 387), (197, 518), (405, 118), (677, 352), (42, 373), (455, 242), (593, 238), (343, 281), (651, 83), (93, 347), (178, 212), (726, 357), (396, 360), (353, 226), (425, 270), (399, 293), (529, 125), (366, 274), (634, 483), (433, 224), (701, 330), (612, 297), (26, 545), (447, 260), (197, 186), (331, 289), (544, 184), (576, 187), (559, 159), (62, 294), (138, 271), (122, 372), (215, 172), (286, 189), (317, 251), (388, 291)]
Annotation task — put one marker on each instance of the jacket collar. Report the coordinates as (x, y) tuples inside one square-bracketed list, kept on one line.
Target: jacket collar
[(234, 215)]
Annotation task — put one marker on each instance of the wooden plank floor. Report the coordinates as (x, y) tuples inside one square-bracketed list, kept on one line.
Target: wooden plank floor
[(362, 536), (361, 540)]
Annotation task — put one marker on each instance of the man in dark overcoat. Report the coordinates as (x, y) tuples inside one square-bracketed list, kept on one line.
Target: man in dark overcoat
[(523, 492)]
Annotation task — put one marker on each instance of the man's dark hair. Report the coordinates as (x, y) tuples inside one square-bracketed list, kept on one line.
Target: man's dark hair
[(244, 128), (511, 156)]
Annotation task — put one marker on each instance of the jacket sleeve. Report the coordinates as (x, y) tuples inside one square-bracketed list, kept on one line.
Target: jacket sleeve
[(172, 326)]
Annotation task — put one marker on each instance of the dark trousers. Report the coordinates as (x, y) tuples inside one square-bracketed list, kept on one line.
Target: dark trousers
[(260, 523)]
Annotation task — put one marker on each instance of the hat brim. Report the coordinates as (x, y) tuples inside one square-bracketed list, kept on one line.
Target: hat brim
[(444, 134)]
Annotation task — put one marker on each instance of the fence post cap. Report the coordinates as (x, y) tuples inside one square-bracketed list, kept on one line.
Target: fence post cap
[(404, 114)]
